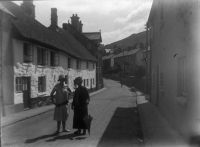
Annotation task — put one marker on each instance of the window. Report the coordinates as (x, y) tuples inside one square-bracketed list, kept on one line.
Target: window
[(78, 64), (93, 65), (84, 82), (69, 62), (87, 65), (42, 56), (19, 84), (54, 59), (87, 82), (42, 84), (28, 53), (181, 77), (93, 81)]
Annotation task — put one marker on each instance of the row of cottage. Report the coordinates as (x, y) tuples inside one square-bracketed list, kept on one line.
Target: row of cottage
[(33, 56)]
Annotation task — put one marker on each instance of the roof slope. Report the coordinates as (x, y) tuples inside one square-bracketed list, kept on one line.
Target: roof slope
[(130, 41), (32, 29)]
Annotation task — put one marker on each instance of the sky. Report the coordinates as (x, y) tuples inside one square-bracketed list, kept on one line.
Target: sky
[(117, 19)]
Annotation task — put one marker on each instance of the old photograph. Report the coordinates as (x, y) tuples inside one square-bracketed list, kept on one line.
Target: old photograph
[(100, 73)]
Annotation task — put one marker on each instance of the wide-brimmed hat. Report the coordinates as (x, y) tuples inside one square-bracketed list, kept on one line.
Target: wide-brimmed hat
[(61, 77), (78, 80)]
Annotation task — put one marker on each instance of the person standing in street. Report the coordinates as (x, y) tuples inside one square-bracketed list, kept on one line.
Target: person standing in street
[(60, 97), (80, 106)]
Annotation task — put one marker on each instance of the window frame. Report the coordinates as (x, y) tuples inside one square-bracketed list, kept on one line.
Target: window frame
[(54, 58), (42, 84), (27, 53), (18, 84), (69, 62), (42, 56)]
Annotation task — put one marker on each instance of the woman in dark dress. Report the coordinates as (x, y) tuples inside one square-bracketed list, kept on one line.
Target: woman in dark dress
[(80, 106)]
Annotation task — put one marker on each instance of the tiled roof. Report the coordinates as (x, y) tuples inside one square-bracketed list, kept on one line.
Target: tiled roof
[(32, 29), (93, 35)]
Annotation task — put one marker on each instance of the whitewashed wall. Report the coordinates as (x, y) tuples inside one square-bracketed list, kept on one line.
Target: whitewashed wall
[(51, 73)]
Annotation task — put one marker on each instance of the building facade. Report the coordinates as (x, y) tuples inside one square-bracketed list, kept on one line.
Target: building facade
[(126, 61), (33, 56), (173, 58)]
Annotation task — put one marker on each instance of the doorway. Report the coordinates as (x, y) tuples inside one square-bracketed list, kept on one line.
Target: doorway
[(26, 92)]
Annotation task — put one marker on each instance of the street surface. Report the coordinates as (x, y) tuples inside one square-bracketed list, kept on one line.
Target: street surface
[(115, 123)]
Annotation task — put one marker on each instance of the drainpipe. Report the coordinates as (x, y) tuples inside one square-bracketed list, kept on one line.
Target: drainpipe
[(1, 65)]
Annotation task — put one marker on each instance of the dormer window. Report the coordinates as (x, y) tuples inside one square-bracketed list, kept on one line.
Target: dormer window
[(78, 64), (69, 62), (28, 53), (54, 59), (42, 56)]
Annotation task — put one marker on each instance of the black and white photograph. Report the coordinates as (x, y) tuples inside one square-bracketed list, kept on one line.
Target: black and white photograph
[(100, 73)]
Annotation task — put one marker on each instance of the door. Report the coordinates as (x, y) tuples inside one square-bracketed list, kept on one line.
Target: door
[(26, 92)]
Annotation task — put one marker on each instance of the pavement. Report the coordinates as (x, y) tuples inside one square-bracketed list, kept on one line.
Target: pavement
[(157, 131), (23, 115)]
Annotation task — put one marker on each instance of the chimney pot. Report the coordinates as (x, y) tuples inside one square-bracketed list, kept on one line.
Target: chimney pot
[(29, 8)]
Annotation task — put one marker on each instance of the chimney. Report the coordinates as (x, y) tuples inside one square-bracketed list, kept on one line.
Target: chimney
[(54, 18), (80, 27), (75, 21), (29, 8)]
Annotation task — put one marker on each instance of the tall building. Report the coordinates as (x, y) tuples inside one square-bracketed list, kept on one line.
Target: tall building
[(172, 31)]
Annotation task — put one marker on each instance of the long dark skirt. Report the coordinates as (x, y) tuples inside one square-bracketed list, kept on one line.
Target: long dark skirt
[(79, 114)]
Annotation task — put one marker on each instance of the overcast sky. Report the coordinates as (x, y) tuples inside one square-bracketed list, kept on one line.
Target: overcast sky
[(116, 19)]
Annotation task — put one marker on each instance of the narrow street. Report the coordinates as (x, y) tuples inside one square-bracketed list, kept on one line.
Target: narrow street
[(115, 123)]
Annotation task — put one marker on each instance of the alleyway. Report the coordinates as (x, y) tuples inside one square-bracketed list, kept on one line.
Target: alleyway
[(115, 123)]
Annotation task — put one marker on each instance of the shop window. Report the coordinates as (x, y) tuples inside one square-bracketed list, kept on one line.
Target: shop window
[(28, 53), (42, 84)]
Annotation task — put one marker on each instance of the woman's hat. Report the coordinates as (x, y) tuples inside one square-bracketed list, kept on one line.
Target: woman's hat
[(61, 77), (78, 80)]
